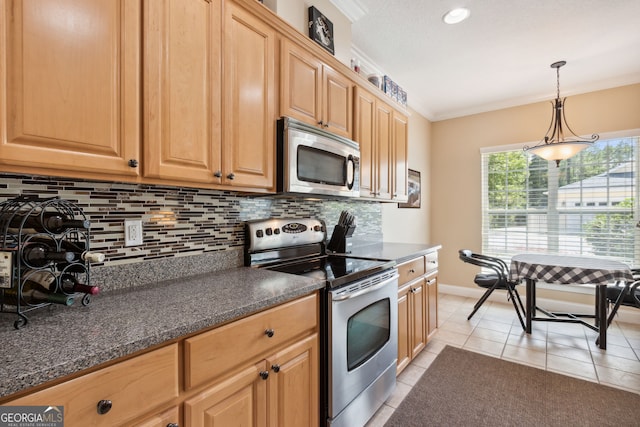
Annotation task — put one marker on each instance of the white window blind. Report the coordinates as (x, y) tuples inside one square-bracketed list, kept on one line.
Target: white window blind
[(587, 206)]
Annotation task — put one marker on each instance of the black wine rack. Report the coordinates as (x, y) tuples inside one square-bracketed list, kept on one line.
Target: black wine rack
[(16, 235)]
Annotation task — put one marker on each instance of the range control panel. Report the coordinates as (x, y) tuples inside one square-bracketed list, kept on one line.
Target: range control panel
[(283, 232)]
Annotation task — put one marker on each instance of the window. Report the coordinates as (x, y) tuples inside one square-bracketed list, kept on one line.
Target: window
[(587, 206)]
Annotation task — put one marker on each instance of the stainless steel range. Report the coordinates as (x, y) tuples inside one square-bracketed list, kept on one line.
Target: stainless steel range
[(359, 310)]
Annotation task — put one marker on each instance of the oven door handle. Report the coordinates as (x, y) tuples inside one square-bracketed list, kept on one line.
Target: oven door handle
[(366, 290)]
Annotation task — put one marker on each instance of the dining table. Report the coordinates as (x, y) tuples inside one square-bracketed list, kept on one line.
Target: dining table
[(568, 270)]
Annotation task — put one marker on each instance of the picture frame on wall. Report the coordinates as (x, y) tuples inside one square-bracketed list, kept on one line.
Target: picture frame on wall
[(321, 29), (415, 193)]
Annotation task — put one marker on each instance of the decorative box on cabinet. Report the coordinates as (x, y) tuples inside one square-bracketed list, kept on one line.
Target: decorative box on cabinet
[(417, 306), (313, 92)]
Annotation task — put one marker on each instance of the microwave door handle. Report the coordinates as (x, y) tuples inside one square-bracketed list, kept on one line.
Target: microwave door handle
[(352, 162)]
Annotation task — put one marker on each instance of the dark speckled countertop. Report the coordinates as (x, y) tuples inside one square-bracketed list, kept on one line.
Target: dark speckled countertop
[(59, 341), (398, 252)]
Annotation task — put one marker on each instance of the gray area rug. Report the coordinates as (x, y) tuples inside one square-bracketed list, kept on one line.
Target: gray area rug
[(462, 388)]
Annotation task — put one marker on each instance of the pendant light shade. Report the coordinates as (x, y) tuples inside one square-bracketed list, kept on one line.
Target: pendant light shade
[(554, 145)]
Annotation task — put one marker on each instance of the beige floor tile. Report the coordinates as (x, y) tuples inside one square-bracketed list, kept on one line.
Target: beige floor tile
[(569, 352), (494, 325), (424, 359), (614, 350), (608, 360), (459, 327), (577, 341), (489, 334), (452, 338), (619, 379), (525, 356), (571, 367), (527, 341), (480, 345), (399, 393), (411, 374), (434, 346), (380, 418)]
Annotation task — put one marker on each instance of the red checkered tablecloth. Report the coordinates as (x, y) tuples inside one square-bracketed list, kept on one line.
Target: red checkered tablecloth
[(568, 270)]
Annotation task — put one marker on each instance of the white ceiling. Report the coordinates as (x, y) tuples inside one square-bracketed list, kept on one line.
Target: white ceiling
[(499, 57)]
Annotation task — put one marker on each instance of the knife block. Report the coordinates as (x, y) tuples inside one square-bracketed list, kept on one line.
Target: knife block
[(341, 239)]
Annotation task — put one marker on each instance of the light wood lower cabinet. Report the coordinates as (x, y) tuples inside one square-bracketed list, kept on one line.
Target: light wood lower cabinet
[(262, 370), (117, 394), (417, 307), (281, 390)]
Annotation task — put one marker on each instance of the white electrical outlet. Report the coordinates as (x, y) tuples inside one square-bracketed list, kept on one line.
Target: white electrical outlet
[(132, 232)]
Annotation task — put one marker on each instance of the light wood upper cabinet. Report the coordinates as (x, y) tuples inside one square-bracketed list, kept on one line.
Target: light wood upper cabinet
[(400, 158), (70, 85), (375, 131), (313, 92), (182, 76), (249, 113)]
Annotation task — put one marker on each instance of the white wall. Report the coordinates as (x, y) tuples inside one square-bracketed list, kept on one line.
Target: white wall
[(295, 12), (412, 225)]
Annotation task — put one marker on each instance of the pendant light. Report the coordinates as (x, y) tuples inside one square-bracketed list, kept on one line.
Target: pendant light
[(555, 146)]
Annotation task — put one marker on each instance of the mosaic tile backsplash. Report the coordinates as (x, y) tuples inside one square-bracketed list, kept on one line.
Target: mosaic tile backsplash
[(181, 222)]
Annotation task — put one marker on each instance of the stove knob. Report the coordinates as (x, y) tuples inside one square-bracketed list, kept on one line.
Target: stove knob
[(269, 231), (259, 233), (276, 231), (317, 228)]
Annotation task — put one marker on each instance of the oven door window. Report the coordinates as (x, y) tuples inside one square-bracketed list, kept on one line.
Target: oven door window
[(321, 166), (367, 332)]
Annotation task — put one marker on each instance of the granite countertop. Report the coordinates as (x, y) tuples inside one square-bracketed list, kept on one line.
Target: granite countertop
[(391, 251), (59, 341)]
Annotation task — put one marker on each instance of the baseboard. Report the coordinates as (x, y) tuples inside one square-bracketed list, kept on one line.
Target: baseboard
[(625, 314)]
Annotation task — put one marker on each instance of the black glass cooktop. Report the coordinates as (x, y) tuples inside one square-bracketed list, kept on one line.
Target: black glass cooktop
[(336, 270)]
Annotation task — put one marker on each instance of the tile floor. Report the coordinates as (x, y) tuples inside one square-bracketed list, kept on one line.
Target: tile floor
[(494, 330)]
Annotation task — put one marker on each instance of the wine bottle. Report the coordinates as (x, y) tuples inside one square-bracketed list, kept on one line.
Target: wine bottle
[(34, 296), (34, 279), (75, 247), (46, 221), (70, 284), (39, 254)]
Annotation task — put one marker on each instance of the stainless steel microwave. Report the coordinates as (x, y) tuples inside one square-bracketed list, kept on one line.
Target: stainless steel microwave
[(315, 162)]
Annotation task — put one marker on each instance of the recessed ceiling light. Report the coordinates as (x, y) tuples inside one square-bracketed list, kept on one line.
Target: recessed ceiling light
[(457, 15)]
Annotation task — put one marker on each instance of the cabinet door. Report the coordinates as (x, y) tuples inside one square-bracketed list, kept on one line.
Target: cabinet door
[(241, 400), (400, 164), (384, 124), (163, 419), (249, 100), (338, 103), (364, 134), (70, 85), (182, 90), (294, 385), (419, 310), (301, 84), (432, 291), (404, 329), (133, 386)]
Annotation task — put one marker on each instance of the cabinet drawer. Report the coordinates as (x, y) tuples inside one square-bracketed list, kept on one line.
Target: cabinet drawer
[(213, 353), (410, 270), (431, 261), (133, 387)]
